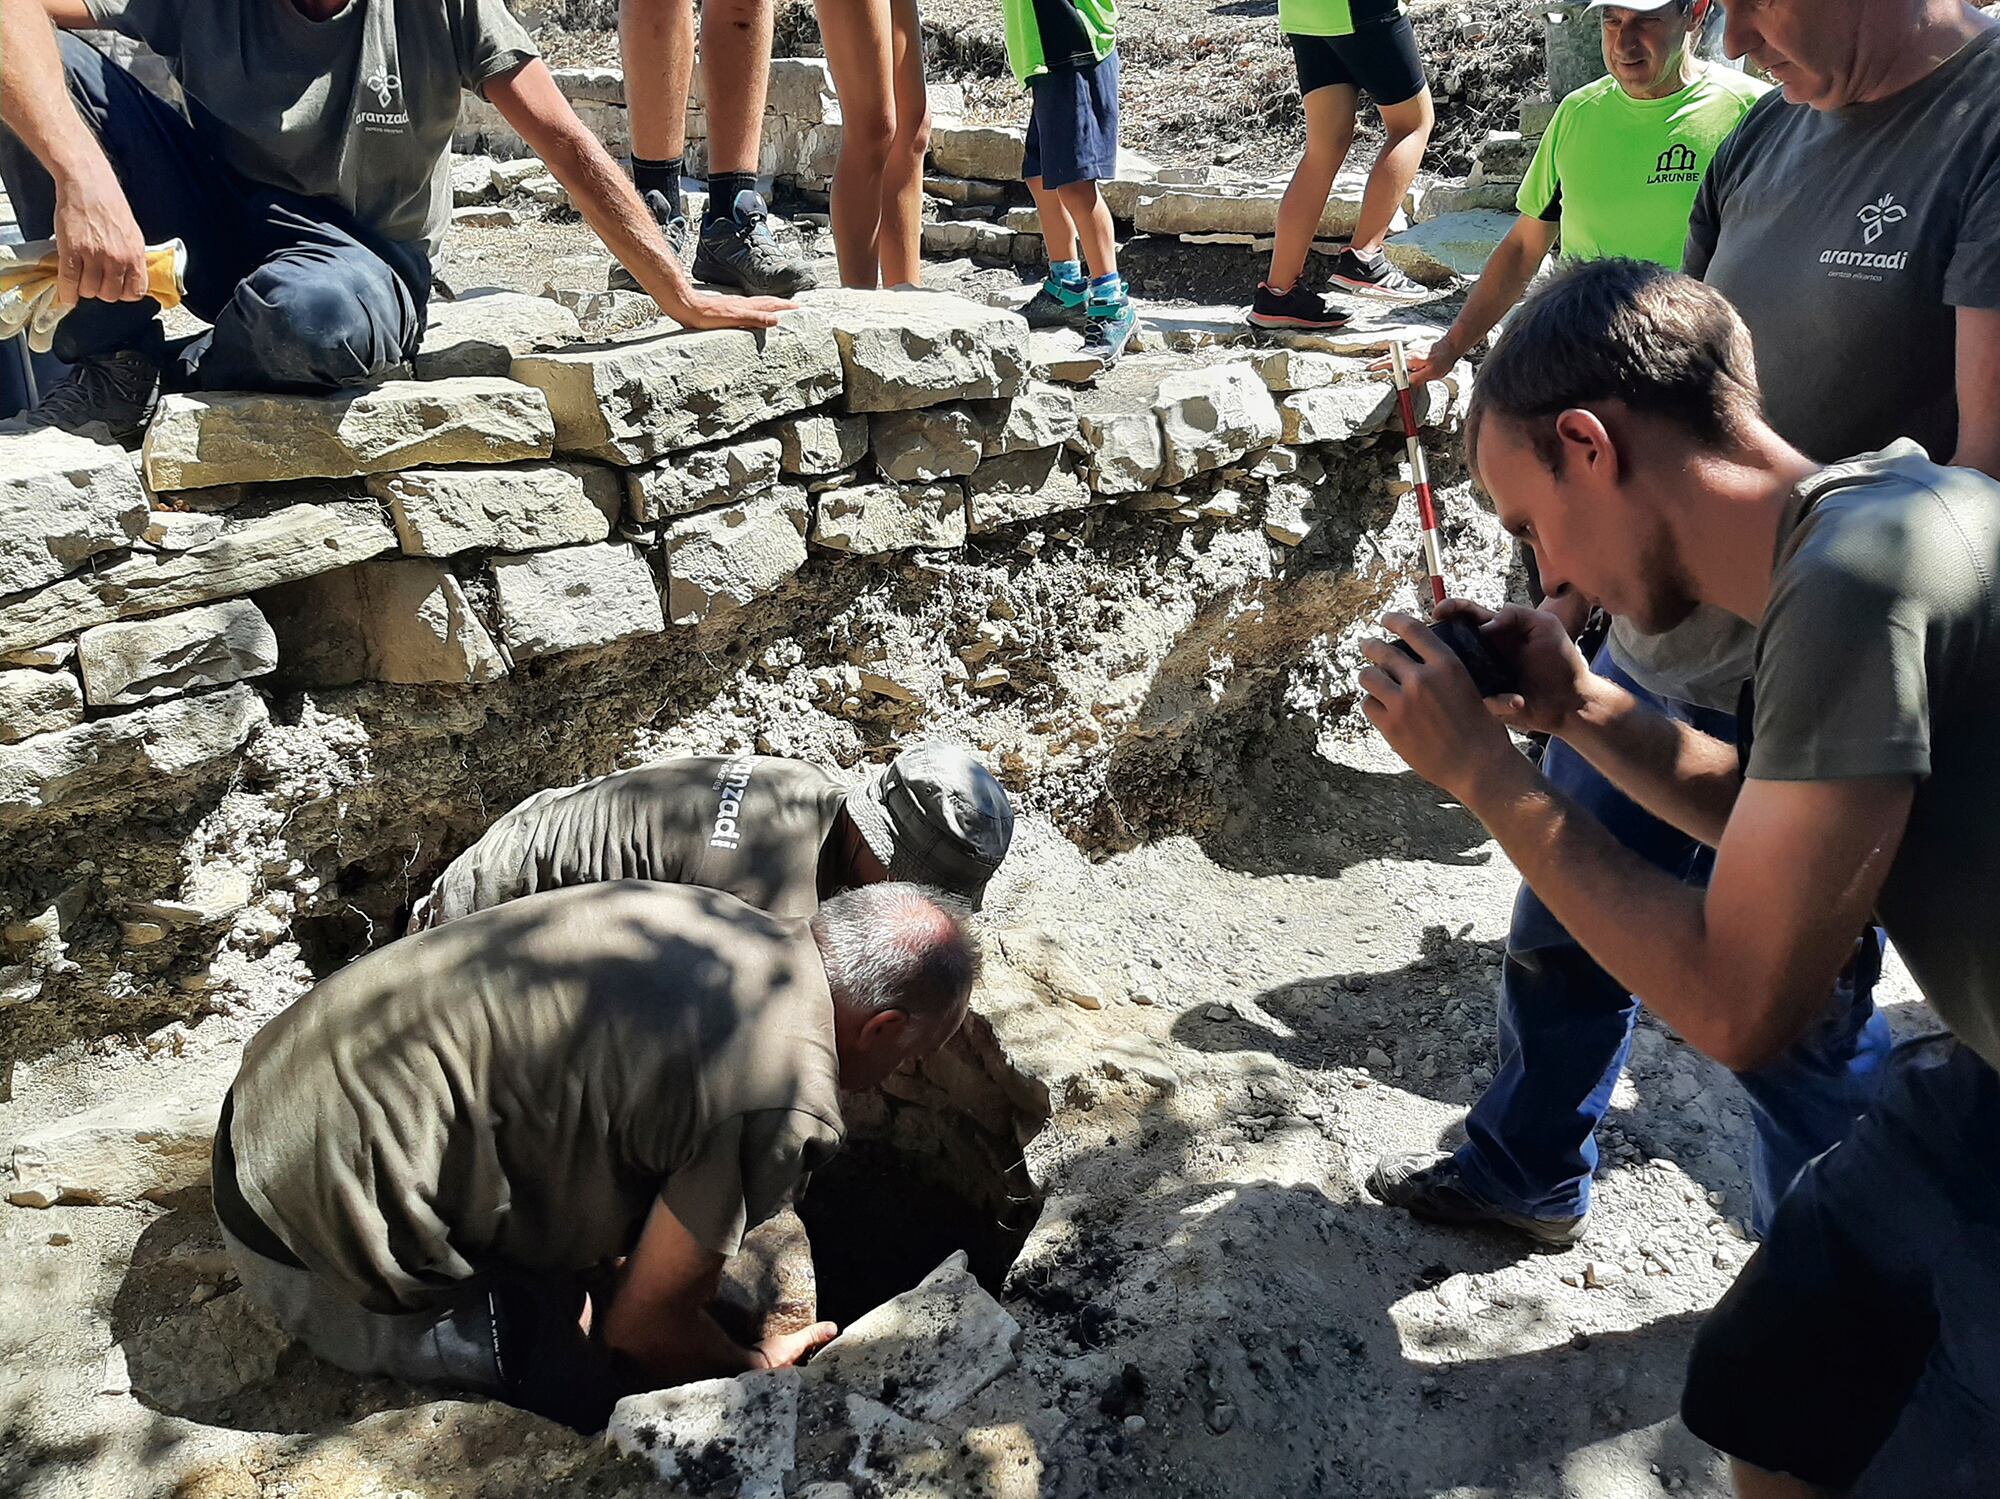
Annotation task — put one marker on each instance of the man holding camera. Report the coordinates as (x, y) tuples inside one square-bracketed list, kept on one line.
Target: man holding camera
[(1620, 432), (1852, 218)]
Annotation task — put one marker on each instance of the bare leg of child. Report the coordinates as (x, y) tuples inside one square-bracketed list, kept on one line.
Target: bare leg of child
[(1409, 132), (1329, 134)]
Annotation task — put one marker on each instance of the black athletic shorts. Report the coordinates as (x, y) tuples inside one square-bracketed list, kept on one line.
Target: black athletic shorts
[(1860, 1347), (1380, 59)]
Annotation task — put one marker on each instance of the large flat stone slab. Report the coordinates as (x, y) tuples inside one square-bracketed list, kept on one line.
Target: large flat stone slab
[(481, 333), (108, 756), (231, 437), (573, 598), (717, 1436), (297, 541), (1450, 246), (874, 518), (635, 401), (1246, 208), (1209, 418), (63, 500), (721, 559), (143, 660), (396, 619), (523, 508), (986, 153), (928, 1351), (905, 349), (138, 1149)]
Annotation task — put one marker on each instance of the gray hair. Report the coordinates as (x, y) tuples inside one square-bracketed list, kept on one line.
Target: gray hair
[(897, 946)]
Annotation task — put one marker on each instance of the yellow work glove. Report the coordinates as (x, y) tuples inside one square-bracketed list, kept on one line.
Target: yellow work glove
[(28, 287)]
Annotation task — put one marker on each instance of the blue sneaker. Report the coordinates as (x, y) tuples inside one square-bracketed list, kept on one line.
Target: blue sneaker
[(1112, 322)]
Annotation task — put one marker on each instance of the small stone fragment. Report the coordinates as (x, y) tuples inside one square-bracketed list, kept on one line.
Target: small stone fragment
[(820, 443), (37, 702)]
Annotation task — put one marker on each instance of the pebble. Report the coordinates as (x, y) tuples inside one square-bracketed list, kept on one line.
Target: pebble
[(1135, 1423), (1219, 1013), (1598, 1275), (1377, 1057), (1221, 1418), (57, 1240)]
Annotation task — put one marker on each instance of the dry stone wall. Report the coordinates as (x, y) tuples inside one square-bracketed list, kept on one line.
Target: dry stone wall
[(259, 681)]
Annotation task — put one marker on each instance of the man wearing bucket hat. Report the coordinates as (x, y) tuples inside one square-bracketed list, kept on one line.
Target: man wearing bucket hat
[(780, 835)]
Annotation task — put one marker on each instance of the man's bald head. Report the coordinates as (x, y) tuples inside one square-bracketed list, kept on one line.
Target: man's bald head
[(901, 965), (1832, 54)]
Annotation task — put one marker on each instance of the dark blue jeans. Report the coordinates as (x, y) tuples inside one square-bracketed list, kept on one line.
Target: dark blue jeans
[(301, 296), (1566, 1029)]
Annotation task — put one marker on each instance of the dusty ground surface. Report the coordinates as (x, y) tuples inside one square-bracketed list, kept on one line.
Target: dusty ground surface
[(1204, 80), (1317, 973)]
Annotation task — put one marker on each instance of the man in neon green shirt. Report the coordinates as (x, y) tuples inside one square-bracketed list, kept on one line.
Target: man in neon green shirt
[(1617, 171)]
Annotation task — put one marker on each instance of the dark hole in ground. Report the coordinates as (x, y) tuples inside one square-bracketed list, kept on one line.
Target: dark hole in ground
[(881, 1220), (881, 1217)]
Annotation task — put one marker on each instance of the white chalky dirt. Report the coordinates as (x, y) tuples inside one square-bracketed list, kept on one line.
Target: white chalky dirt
[(1310, 988)]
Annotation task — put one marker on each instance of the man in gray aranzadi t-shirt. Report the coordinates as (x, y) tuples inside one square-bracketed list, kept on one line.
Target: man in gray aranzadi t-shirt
[(309, 182)]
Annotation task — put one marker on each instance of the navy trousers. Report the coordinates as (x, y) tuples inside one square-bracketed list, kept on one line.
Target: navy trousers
[(301, 296), (1566, 1029)]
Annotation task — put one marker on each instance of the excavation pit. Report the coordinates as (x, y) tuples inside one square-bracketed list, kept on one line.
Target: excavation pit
[(921, 1179)]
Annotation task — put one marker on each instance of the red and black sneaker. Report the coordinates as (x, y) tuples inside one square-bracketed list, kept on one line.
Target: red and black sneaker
[(1293, 308)]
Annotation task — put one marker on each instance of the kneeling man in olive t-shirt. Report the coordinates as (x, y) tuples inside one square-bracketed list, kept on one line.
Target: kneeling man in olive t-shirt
[(426, 1162)]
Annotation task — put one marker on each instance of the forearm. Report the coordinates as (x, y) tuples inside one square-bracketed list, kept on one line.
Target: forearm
[(612, 207), (1500, 286), (1679, 774), (1647, 929), (676, 1345), (530, 101), (35, 101)]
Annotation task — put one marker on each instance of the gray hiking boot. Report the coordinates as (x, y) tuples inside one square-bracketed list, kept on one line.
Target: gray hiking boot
[(673, 221), (1428, 1185), (118, 392), (738, 251)]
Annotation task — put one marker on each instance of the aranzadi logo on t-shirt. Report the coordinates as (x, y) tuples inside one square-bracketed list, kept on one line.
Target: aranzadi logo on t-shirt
[(1875, 221), (730, 785), (1678, 163), (382, 103)]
